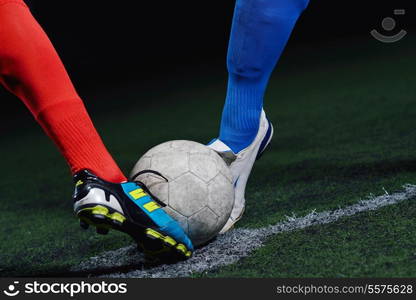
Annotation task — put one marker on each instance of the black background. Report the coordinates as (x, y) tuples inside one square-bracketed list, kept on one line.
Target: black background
[(108, 42), (112, 40)]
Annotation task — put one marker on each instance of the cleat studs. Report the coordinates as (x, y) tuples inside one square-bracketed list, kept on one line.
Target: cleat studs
[(83, 225), (117, 217), (181, 248), (153, 234), (98, 217), (102, 231), (169, 241), (117, 223), (100, 210)]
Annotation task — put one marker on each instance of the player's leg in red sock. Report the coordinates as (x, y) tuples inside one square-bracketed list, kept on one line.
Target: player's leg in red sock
[(31, 69)]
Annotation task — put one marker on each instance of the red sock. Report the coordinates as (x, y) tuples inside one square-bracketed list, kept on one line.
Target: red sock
[(31, 69)]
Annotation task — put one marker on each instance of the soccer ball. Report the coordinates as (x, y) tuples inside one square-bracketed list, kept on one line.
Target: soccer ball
[(198, 190)]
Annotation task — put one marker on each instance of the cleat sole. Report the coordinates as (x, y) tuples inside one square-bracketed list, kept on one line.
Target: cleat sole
[(102, 230), (169, 243), (181, 248), (83, 225), (99, 215), (156, 235), (147, 238)]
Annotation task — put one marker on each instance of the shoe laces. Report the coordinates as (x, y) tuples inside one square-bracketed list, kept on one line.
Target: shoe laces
[(144, 186)]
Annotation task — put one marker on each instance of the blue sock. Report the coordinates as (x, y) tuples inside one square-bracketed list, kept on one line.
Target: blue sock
[(259, 33)]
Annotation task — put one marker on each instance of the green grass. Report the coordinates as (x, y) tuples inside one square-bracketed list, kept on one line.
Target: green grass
[(372, 244), (344, 117)]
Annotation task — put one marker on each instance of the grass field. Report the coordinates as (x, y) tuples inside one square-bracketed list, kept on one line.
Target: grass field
[(344, 118)]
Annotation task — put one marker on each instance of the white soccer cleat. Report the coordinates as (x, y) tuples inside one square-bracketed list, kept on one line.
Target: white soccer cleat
[(241, 164)]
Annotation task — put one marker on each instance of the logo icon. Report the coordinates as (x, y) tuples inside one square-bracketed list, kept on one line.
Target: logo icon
[(12, 291), (389, 24)]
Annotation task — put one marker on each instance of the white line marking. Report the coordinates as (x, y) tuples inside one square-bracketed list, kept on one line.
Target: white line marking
[(231, 247)]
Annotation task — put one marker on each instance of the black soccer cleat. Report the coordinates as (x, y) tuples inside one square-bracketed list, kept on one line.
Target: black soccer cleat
[(129, 207)]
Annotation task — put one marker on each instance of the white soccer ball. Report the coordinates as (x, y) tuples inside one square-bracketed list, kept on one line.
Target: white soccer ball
[(199, 193)]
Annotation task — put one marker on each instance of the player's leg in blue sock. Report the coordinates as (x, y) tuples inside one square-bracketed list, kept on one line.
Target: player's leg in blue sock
[(260, 31)]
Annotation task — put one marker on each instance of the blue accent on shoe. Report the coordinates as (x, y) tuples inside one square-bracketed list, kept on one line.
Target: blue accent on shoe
[(265, 141), (235, 183), (212, 141), (167, 225)]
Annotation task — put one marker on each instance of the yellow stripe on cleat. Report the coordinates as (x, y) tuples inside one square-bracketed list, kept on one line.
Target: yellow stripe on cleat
[(96, 210), (153, 233), (100, 210), (137, 193), (181, 248), (117, 217), (165, 238), (184, 250), (151, 206), (170, 240)]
